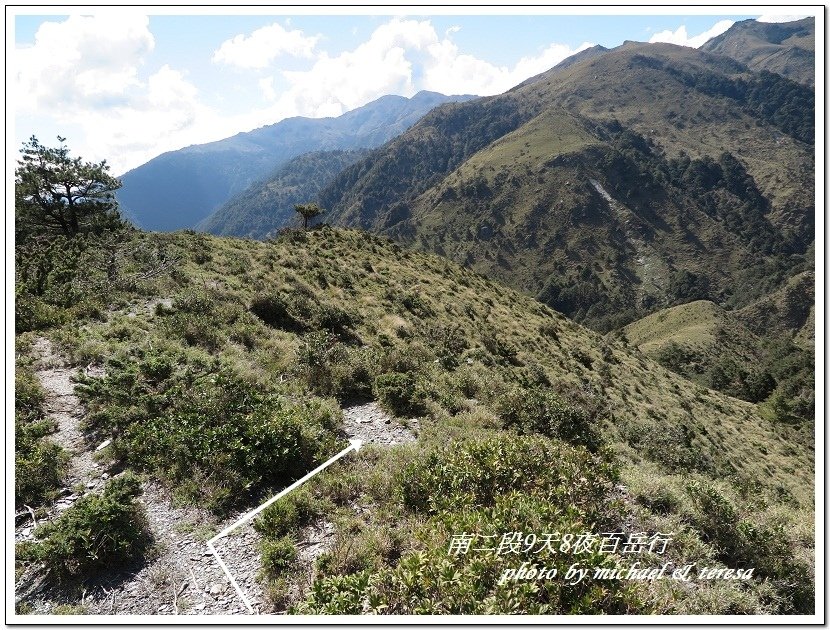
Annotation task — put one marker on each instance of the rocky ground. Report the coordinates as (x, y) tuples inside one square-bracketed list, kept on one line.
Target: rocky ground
[(183, 577), (370, 423)]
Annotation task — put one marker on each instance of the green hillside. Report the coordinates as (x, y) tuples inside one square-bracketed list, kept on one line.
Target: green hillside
[(178, 189), (667, 181), (267, 206), (224, 364), (763, 353)]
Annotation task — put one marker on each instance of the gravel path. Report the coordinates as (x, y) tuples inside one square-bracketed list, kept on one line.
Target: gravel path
[(370, 423), (84, 475), (62, 405), (183, 577)]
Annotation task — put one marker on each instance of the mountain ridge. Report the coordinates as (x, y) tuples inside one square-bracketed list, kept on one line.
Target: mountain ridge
[(268, 205), (153, 196), (786, 48), (693, 177)]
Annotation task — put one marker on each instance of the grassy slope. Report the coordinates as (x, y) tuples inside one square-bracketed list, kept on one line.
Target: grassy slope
[(539, 218), (647, 405), (789, 311), (642, 97), (520, 208), (695, 325), (736, 488), (649, 100)]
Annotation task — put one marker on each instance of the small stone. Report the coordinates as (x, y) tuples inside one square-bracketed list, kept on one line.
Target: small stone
[(199, 606), (217, 589), (90, 484), (105, 476)]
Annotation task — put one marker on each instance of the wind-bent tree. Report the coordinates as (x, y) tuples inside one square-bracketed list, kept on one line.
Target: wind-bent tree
[(55, 193), (308, 211)]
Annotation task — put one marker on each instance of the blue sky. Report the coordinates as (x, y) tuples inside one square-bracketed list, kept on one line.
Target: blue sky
[(125, 86)]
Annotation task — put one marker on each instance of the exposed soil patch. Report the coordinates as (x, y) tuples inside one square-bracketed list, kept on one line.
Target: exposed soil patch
[(370, 423)]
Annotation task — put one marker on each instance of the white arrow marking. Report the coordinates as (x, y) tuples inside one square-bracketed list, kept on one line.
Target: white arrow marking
[(353, 444)]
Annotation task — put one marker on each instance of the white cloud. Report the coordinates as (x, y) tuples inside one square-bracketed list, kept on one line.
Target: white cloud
[(83, 61), (165, 115), (266, 86), (91, 76), (682, 38), (84, 75), (451, 72), (263, 46), (402, 57), (381, 65), (773, 17)]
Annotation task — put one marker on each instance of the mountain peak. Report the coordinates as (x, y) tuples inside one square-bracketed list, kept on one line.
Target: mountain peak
[(786, 48)]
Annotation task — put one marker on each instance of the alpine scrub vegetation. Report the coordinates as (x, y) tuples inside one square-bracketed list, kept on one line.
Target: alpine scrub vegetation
[(226, 363), (98, 533), (485, 486), (38, 462)]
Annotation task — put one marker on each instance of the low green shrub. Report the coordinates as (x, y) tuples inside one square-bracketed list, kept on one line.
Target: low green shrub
[(300, 311), (397, 392), (328, 367), (39, 463), (206, 430), (485, 487), (290, 513), (273, 309), (447, 341), (744, 542), (474, 473), (278, 555), (99, 532), (540, 410), (193, 319)]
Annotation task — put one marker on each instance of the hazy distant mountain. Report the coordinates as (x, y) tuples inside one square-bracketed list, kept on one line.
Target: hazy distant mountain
[(785, 48), (180, 188), (267, 205)]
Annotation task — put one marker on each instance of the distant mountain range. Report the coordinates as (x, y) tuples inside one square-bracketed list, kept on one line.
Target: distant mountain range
[(267, 205), (180, 188)]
